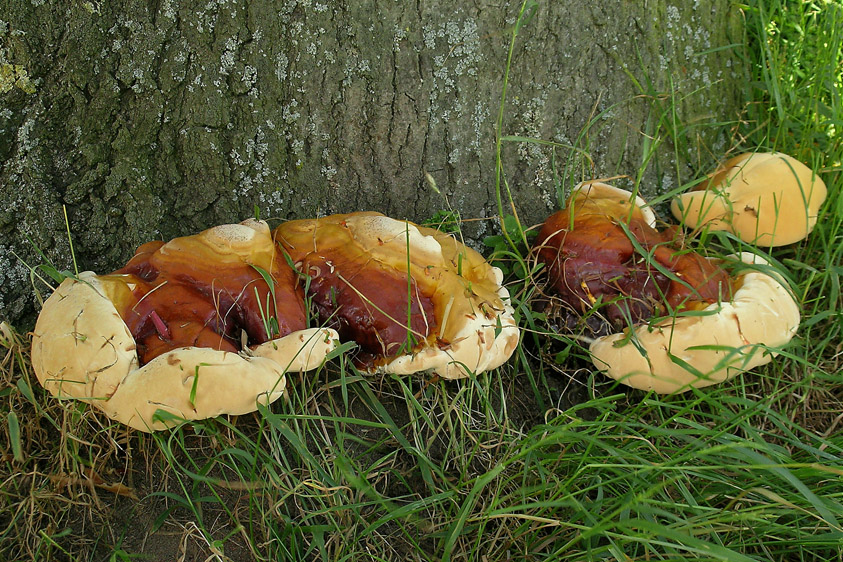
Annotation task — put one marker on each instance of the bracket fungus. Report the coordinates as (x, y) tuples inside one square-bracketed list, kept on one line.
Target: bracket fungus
[(210, 324), (680, 319), (197, 327), (413, 298), (603, 249), (712, 345), (769, 199)]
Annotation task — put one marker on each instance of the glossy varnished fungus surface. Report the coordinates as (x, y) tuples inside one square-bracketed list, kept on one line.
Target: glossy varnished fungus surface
[(723, 339), (367, 302), (602, 249), (195, 328), (207, 290), (211, 324), (357, 266)]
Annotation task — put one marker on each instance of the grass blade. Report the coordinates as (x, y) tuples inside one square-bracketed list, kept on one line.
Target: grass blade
[(14, 436)]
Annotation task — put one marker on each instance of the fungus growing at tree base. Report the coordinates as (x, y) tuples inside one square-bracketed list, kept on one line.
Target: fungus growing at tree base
[(768, 199), (200, 326), (211, 324), (413, 298), (676, 319)]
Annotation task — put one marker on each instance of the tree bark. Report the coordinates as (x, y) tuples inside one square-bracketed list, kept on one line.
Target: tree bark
[(158, 119)]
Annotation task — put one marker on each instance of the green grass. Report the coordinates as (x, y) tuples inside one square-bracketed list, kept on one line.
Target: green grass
[(539, 460)]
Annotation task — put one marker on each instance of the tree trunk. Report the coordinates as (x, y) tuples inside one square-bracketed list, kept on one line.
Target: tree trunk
[(161, 118)]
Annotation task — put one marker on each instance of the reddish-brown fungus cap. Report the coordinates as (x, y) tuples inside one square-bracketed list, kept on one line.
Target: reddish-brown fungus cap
[(709, 346), (603, 248), (450, 314), (82, 348), (207, 290)]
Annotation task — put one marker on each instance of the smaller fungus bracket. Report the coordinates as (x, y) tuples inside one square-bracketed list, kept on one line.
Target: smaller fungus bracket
[(675, 318), (767, 199)]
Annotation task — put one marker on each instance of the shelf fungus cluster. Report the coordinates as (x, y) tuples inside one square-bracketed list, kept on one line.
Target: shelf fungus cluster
[(211, 324), (680, 320)]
